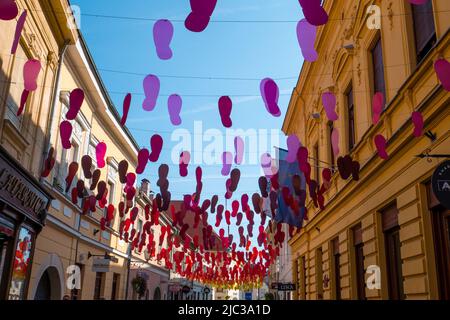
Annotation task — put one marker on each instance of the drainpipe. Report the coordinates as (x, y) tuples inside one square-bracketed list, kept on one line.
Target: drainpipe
[(128, 272), (50, 120)]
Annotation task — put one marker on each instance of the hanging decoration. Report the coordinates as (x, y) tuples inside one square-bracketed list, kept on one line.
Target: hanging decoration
[(306, 35), (201, 12), (162, 37)]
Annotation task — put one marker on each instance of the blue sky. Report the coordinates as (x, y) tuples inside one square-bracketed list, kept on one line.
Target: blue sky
[(224, 49)]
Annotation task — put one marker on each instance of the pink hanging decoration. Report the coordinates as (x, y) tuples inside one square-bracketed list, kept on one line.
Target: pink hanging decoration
[(267, 165), (380, 143), (162, 36), (126, 109), (75, 101), (377, 106), (8, 9), (174, 105), (100, 153), (227, 161), (270, 94), (156, 143), (31, 71), (306, 35), (18, 32), (201, 13), (23, 101), (225, 108), (329, 104), (239, 150), (65, 131), (417, 120), (235, 176), (335, 142), (442, 68), (313, 12), (151, 90), (185, 158), (143, 156)]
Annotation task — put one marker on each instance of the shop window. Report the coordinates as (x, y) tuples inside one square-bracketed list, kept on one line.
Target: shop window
[(336, 267), (21, 265), (424, 29), (391, 231), (378, 68), (440, 217), (359, 269), (350, 119)]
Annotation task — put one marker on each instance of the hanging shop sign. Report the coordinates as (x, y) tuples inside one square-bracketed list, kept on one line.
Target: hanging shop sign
[(441, 183), (100, 265)]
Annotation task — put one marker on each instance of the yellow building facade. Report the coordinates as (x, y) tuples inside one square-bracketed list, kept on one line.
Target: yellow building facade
[(70, 237), (383, 228), (24, 201)]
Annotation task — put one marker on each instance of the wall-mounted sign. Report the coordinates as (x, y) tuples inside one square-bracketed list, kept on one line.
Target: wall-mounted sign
[(441, 183), (275, 285), (21, 192), (286, 287), (248, 296), (100, 265)]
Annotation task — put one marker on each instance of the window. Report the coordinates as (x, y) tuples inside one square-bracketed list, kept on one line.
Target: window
[(316, 163), (302, 271), (111, 187), (115, 286), (99, 279), (378, 69), (351, 119), (336, 268), (330, 132), (424, 29), (22, 265), (392, 248), (16, 87), (319, 273), (358, 246)]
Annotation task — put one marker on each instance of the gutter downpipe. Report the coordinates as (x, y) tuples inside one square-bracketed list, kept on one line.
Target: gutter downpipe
[(50, 120)]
